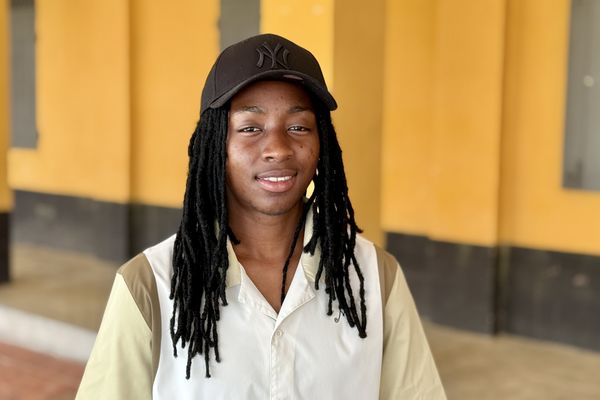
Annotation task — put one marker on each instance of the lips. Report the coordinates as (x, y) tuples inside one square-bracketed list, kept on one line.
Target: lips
[(276, 178), (277, 181)]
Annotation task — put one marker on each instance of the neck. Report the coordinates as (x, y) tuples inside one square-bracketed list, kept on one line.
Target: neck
[(265, 237)]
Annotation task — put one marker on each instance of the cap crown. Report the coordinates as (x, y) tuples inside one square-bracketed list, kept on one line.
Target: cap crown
[(263, 57)]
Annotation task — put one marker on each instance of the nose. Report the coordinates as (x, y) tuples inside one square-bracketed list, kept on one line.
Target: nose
[(277, 146)]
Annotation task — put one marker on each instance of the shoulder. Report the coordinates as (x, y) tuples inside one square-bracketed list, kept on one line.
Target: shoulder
[(136, 269), (387, 265), (140, 274), (139, 278), (162, 251)]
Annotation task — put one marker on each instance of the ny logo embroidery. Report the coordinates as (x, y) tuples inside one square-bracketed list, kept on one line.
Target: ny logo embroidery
[(266, 51)]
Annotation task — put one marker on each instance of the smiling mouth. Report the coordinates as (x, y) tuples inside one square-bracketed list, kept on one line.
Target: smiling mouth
[(277, 181), (276, 178)]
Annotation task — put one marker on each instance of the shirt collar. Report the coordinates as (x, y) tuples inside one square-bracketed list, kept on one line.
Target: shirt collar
[(310, 263)]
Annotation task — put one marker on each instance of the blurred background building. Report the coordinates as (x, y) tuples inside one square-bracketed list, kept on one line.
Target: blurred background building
[(470, 130)]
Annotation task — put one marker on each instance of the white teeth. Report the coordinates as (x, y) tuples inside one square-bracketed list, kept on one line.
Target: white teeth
[(277, 178)]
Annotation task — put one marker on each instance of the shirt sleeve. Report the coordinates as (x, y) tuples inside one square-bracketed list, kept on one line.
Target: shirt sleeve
[(408, 368), (120, 365)]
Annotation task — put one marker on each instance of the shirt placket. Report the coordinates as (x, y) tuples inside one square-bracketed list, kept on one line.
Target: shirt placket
[(282, 353), (282, 344), (275, 366)]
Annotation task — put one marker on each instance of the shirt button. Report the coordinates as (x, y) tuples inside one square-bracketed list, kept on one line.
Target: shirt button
[(278, 332)]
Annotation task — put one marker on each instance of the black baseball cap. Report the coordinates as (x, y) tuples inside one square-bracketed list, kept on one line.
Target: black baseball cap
[(263, 57)]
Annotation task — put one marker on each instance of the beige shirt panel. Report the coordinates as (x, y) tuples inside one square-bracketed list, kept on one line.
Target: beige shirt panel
[(140, 280), (120, 365)]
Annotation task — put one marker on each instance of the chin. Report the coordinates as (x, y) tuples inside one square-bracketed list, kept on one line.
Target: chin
[(277, 208)]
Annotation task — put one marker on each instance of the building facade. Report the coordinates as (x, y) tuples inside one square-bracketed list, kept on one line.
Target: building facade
[(459, 121)]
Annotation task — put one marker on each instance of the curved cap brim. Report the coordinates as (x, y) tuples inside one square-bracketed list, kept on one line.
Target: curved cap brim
[(280, 75)]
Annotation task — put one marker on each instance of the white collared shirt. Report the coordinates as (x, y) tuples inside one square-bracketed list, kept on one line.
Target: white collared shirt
[(298, 353)]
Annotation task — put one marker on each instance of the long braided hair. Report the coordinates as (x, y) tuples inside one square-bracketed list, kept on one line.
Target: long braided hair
[(200, 258)]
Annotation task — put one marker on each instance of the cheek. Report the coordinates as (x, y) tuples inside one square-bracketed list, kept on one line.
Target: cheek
[(235, 156), (239, 165), (233, 164), (310, 155)]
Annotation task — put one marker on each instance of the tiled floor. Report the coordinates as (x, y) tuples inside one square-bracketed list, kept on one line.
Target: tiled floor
[(61, 285), (73, 288), (25, 375), (482, 367)]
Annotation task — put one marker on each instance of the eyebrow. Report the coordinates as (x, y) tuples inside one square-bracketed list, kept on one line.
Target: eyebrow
[(252, 109), (258, 110), (297, 109)]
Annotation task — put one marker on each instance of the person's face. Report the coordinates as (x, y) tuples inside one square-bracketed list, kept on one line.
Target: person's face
[(272, 148)]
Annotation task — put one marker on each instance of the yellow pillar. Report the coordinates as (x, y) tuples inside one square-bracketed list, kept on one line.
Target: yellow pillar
[(172, 50), (442, 121), (358, 74), (467, 106), (537, 211), (407, 113), (82, 101)]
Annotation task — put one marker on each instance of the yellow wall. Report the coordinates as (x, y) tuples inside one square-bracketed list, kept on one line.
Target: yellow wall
[(172, 50), (5, 195), (82, 75), (474, 108), (467, 98), (118, 96), (358, 76), (407, 114), (451, 111), (536, 211), (308, 23), (443, 96)]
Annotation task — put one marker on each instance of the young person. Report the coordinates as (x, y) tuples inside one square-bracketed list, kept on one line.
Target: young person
[(263, 293)]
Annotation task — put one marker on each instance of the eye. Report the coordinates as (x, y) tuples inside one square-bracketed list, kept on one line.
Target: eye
[(298, 129), (249, 130)]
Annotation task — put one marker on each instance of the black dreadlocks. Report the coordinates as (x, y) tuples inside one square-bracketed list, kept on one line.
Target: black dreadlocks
[(200, 259)]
